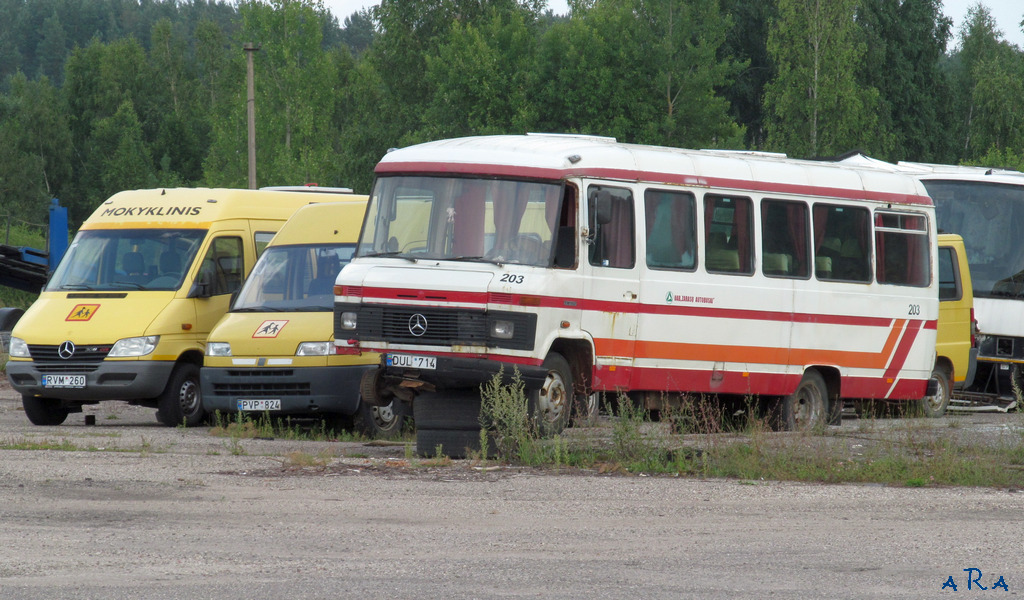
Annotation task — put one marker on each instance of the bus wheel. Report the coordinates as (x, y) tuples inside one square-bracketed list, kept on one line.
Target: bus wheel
[(551, 405), (44, 411), (935, 405), (181, 403), (807, 407), (382, 422)]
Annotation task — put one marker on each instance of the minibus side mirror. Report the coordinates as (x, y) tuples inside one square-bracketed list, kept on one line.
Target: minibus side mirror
[(203, 286)]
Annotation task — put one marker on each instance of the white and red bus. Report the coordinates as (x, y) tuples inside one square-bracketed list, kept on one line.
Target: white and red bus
[(593, 266)]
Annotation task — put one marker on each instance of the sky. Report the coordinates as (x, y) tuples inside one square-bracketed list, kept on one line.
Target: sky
[(1007, 13)]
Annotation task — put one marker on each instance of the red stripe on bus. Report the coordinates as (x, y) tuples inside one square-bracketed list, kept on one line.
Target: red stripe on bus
[(561, 302)]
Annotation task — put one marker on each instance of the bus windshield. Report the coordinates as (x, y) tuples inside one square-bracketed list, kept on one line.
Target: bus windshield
[(990, 217), (127, 259), (460, 218), (294, 278)]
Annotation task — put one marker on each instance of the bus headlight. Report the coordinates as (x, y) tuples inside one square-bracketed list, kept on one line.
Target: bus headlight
[(348, 320), (136, 346), (218, 349), (503, 330), (315, 349), (18, 348)]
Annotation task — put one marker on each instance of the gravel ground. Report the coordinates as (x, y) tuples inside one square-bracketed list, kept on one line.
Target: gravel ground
[(137, 510)]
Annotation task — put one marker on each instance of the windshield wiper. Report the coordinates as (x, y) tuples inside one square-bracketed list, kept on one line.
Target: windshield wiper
[(258, 309), (465, 258), (137, 286), (75, 286), (393, 253)]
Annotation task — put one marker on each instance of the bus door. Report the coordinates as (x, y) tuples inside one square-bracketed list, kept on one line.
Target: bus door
[(611, 284), (666, 347)]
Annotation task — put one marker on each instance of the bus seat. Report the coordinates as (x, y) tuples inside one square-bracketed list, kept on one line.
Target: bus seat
[(776, 264), (823, 266), (723, 260)]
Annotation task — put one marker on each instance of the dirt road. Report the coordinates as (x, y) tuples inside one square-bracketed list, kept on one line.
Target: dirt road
[(130, 509)]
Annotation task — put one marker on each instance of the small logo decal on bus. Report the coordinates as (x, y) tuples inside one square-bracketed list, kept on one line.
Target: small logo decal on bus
[(82, 312), (417, 324), (269, 329)]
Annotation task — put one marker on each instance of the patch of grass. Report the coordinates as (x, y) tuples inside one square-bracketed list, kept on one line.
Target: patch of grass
[(700, 438), (264, 426), (302, 460), (40, 445)]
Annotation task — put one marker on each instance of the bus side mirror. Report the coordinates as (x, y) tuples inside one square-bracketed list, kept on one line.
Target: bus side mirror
[(203, 286)]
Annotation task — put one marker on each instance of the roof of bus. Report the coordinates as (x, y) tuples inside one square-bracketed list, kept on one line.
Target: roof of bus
[(198, 207), (556, 156), (323, 223), (934, 171)]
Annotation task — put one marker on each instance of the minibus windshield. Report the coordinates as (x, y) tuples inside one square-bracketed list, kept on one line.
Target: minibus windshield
[(127, 259), (294, 278), (462, 218)]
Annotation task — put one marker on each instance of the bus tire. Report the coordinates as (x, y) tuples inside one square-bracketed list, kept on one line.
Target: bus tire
[(451, 409), (807, 407), (44, 411), (551, 405), (935, 406), (453, 443), (181, 402), (382, 422)]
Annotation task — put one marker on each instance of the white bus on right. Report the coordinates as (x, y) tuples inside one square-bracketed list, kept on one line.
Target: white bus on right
[(985, 206)]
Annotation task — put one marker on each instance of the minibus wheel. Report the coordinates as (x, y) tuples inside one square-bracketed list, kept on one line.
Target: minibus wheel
[(935, 405), (44, 411), (181, 403), (807, 407), (383, 422), (551, 405)]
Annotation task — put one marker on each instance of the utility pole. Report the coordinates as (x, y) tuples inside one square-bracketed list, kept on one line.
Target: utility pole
[(250, 48)]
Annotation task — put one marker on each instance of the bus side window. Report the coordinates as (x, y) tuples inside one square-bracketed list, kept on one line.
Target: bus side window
[(842, 243), (784, 238), (948, 283), (671, 235), (901, 247), (727, 235), (611, 227)]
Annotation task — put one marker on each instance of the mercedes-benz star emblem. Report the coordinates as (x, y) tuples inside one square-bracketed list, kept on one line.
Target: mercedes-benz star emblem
[(417, 324), (66, 350)]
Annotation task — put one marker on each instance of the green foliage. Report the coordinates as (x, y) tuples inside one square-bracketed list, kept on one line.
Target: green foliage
[(815, 104), (102, 95)]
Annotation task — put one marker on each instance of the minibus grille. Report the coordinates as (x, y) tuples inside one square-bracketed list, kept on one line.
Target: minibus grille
[(249, 384), (67, 367), (443, 326), (83, 353)]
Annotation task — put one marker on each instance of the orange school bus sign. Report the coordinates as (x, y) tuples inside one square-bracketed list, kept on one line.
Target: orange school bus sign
[(82, 312)]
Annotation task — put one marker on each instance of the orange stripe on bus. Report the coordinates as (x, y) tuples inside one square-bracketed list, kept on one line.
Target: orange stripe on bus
[(753, 354)]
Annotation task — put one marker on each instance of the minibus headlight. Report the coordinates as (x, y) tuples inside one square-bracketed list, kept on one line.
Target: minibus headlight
[(503, 330), (136, 346), (315, 349), (18, 348), (218, 349), (348, 320)]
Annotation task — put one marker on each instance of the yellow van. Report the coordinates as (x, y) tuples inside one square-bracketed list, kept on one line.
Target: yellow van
[(955, 348), (273, 353), (126, 314)]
